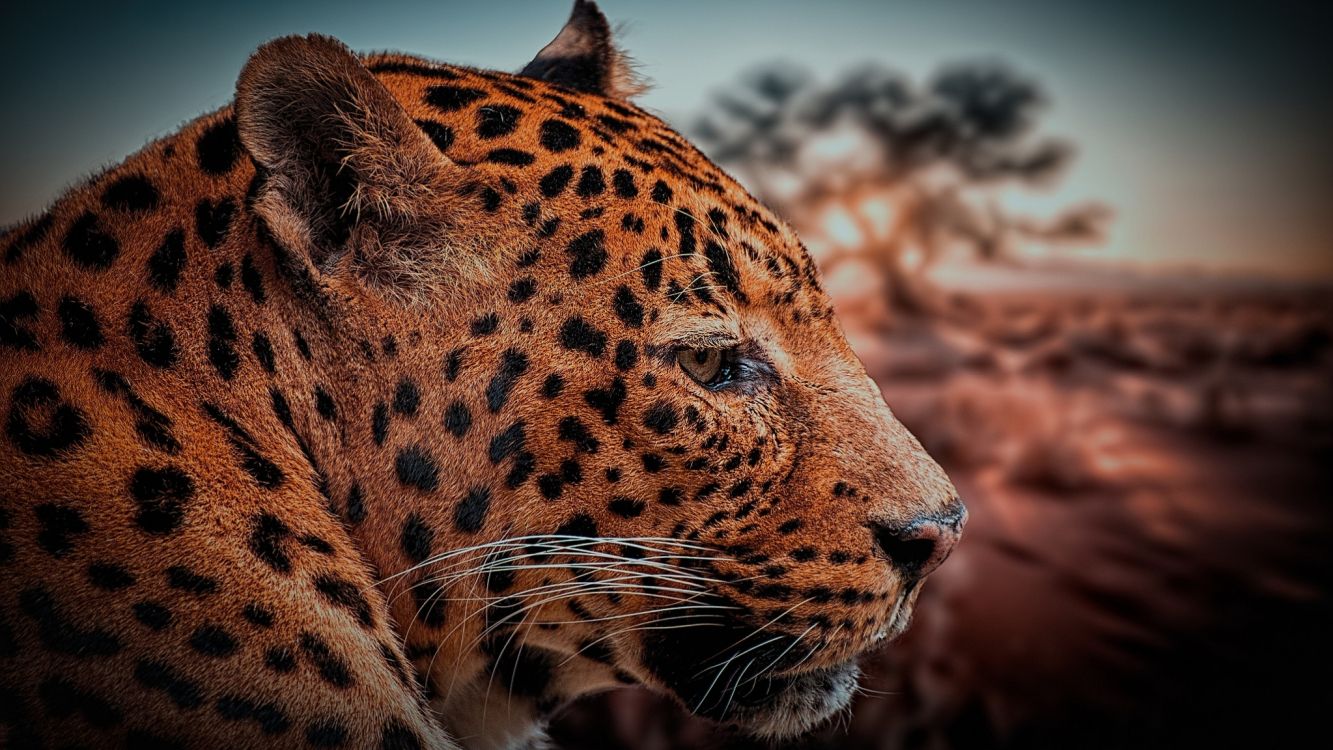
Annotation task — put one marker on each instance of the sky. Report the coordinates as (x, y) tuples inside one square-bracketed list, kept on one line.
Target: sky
[(1204, 125)]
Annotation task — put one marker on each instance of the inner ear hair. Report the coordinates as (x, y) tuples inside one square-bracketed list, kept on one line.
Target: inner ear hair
[(345, 170)]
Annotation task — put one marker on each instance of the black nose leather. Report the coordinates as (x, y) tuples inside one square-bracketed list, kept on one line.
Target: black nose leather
[(918, 547)]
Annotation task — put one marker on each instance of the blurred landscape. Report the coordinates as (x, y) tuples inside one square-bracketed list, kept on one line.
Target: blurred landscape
[(1144, 450)]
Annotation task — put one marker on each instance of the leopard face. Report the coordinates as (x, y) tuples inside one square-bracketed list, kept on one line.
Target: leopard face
[(578, 400)]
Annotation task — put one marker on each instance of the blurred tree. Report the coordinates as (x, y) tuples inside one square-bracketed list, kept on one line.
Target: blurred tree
[(893, 172)]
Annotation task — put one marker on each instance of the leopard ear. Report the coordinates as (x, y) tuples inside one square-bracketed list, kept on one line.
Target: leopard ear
[(584, 57), (345, 170)]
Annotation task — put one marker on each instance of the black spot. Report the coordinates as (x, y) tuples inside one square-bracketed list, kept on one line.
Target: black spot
[(631, 222), (670, 496), (453, 362), (652, 269), (521, 290), (213, 640), (252, 280), (346, 595), (182, 578), (580, 525), (356, 504), (626, 507), (131, 193), (652, 463), (549, 227), (578, 335), (41, 424), (265, 473), (280, 659), (591, 182), (431, 602), (788, 527), (470, 513), (78, 324), (616, 124), (161, 495), (490, 199), (457, 419), (109, 576), (218, 147), (416, 468), (559, 136), (258, 614), (550, 485), (156, 675), (513, 363), (263, 351), (507, 442), (267, 534), (486, 324), (623, 182), (575, 431), (224, 275), (724, 270), (302, 346), (59, 524), (555, 181), (627, 355), (326, 733), (439, 134), (332, 669), (416, 538), (379, 423), (88, 245), (213, 220), (268, 716), (510, 156), (406, 398), (452, 98), (495, 120), (20, 307), (661, 418), (607, 400), (661, 193), (324, 404), (167, 262), (627, 307), (222, 342), (153, 339), (152, 615), (553, 385), (397, 736)]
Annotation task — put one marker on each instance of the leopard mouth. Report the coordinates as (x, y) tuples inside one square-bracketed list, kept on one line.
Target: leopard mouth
[(759, 681)]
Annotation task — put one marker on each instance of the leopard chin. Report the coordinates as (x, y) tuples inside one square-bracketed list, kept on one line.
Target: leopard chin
[(802, 703)]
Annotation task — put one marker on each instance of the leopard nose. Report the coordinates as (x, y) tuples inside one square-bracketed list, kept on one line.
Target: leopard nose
[(918, 547)]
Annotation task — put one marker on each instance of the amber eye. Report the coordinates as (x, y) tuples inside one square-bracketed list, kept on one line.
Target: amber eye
[(704, 365)]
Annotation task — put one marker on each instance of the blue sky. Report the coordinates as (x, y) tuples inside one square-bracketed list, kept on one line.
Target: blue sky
[(1203, 124)]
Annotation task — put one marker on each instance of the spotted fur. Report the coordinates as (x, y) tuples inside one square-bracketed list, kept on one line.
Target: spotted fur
[(350, 415)]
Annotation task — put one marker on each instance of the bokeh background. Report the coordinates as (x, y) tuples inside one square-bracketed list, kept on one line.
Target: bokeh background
[(1085, 249)]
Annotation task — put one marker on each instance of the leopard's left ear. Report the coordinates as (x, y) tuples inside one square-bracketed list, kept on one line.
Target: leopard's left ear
[(584, 57)]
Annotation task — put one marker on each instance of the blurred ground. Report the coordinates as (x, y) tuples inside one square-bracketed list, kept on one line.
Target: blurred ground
[(1147, 559)]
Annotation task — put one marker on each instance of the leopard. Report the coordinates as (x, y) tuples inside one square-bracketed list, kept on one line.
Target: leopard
[(400, 404)]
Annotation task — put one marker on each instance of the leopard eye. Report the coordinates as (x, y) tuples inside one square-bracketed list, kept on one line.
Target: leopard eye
[(704, 365)]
